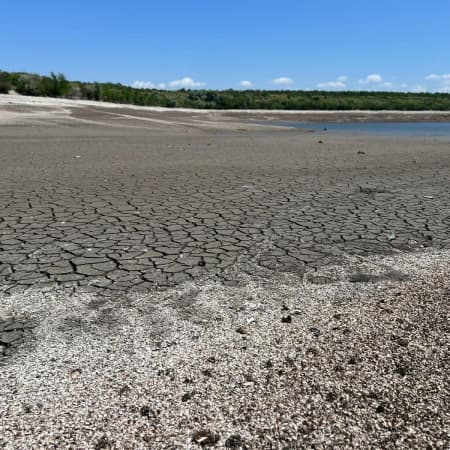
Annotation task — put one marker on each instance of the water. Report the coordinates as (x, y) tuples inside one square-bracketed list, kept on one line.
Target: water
[(405, 129)]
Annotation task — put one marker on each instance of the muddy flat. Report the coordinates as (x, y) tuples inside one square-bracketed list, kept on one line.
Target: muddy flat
[(210, 245), (124, 200)]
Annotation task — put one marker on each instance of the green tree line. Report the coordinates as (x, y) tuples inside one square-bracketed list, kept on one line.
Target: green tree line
[(56, 85)]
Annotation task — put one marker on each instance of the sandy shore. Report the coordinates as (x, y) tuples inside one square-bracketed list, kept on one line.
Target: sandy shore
[(17, 107), (178, 280)]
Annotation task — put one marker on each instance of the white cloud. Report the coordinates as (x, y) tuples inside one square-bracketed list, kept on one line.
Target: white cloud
[(283, 81), (148, 85), (371, 79), (438, 77), (339, 83), (143, 85), (246, 84), (387, 84), (332, 85), (419, 88), (186, 82)]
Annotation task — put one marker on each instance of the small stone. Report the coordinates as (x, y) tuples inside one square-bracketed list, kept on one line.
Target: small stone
[(235, 442), (102, 443), (186, 397), (401, 370), (125, 390), (241, 330), (286, 319), (331, 397), (312, 351), (391, 236), (27, 409), (382, 408), (207, 373), (315, 331), (205, 437), (146, 411), (75, 373)]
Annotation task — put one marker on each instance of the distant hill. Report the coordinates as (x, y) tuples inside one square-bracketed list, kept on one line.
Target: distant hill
[(56, 85)]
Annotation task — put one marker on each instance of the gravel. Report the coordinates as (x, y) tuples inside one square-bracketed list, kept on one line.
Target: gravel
[(349, 356)]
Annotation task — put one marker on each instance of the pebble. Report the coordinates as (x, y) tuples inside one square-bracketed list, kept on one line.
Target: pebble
[(205, 437), (235, 442)]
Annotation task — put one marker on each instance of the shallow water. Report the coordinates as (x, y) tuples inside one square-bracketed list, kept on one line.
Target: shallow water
[(406, 129)]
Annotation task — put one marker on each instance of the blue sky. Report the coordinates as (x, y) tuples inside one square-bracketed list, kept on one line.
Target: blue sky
[(220, 44)]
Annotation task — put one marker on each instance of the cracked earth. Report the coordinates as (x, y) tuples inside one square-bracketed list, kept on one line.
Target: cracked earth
[(128, 206)]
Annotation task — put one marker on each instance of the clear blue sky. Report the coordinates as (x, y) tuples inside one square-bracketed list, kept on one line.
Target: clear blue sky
[(298, 44)]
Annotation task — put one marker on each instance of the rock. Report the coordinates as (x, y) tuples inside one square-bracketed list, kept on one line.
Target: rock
[(235, 442), (186, 397), (382, 408), (75, 373), (205, 437), (9, 337), (286, 319), (146, 411), (102, 443), (125, 390), (391, 236), (241, 330), (401, 370)]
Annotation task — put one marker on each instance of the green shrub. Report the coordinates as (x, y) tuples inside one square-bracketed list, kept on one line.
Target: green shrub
[(5, 84), (5, 87)]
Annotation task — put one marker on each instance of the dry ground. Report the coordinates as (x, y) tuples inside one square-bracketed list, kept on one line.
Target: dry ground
[(174, 279)]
